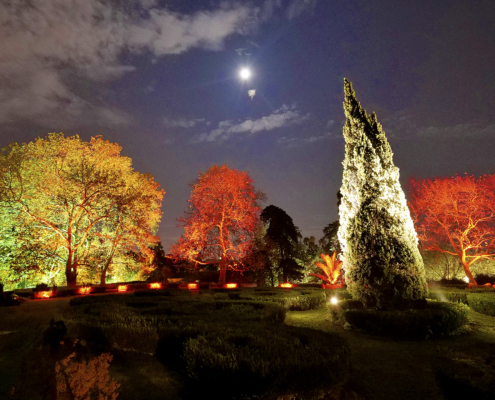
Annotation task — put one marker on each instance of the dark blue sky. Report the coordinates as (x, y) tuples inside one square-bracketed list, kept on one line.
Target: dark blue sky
[(161, 79)]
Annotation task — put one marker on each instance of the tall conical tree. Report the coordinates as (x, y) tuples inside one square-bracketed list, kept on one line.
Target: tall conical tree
[(383, 266)]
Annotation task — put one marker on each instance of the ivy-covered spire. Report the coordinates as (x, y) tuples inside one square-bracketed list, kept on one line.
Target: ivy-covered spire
[(382, 262)]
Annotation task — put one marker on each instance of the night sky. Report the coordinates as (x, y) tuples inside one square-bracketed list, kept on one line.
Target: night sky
[(161, 79)]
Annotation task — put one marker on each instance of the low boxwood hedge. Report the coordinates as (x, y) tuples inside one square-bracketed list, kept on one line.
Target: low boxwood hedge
[(483, 303), (232, 348), (292, 299), (266, 361), (436, 319)]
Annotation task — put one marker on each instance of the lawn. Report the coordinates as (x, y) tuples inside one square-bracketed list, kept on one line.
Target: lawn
[(380, 368)]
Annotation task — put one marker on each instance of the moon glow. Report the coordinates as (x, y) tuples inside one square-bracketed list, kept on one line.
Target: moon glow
[(245, 73)]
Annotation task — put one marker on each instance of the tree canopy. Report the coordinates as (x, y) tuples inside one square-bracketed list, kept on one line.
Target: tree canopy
[(82, 202), (222, 218), (456, 216)]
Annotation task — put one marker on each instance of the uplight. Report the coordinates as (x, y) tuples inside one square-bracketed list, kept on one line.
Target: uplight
[(155, 285), (122, 288), (286, 285), (85, 290), (43, 295), (192, 286), (230, 285), (334, 300), (466, 279)]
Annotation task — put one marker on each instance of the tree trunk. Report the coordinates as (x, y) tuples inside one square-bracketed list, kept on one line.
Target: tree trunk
[(71, 275), (223, 272), (103, 277), (470, 276)]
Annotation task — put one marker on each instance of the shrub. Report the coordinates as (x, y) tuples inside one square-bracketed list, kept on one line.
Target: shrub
[(81, 381), (266, 361), (41, 287), (452, 295), (293, 300), (436, 319), (483, 303)]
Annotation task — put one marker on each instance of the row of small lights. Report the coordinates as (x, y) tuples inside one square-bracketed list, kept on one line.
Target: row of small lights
[(123, 288)]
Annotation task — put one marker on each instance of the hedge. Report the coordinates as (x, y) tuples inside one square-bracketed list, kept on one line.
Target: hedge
[(266, 361), (436, 319), (231, 347), (483, 303)]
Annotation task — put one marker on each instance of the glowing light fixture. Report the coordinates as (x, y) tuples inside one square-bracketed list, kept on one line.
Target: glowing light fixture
[(334, 300), (192, 286), (122, 288), (85, 290), (43, 295), (466, 279), (286, 285), (155, 285), (245, 74), (230, 285)]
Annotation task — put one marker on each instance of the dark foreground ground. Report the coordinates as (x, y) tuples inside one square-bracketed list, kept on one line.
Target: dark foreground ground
[(381, 368)]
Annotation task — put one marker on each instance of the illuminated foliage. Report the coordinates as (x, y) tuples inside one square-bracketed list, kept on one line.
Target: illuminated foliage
[(84, 381), (222, 219), (382, 262), (83, 203), (456, 216), (331, 269)]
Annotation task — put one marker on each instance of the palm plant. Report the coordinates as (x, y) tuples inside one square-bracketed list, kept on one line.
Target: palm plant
[(331, 268)]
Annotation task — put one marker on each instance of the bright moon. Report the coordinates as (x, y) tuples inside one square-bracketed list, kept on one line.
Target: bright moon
[(245, 73)]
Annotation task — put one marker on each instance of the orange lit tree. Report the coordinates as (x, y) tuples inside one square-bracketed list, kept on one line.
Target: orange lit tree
[(222, 219), (456, 216), (82, 200)]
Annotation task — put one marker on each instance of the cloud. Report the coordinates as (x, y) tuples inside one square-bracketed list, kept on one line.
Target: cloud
[(181, 122), (405, 127), (49, 45), (459, 131), (297, 7), (283, 117), (296, 141)]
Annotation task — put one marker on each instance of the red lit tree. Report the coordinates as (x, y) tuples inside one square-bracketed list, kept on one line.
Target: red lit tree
[(222, 219), (456, 216)]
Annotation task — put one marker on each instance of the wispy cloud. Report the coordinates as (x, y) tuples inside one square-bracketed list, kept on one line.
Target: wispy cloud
[(405, 127), (297, 7), (283, 117), (182, 122)]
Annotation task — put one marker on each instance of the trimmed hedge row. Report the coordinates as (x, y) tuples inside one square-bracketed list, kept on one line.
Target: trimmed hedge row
[(234, 348), (482, 303), (290, 299), (436, 319), (266, 361), (480, 299)]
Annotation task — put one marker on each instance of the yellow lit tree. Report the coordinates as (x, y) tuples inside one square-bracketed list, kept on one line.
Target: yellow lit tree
[(81, 199)]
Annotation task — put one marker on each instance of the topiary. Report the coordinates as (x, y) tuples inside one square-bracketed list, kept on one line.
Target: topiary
[(382, 263)]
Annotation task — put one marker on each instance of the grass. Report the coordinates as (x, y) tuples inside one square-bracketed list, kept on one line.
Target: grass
[(381, 368)]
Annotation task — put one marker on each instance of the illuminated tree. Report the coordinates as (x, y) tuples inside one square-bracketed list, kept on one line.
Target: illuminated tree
[(82, 201), (456, 216), (222, 219), (382, 262)]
